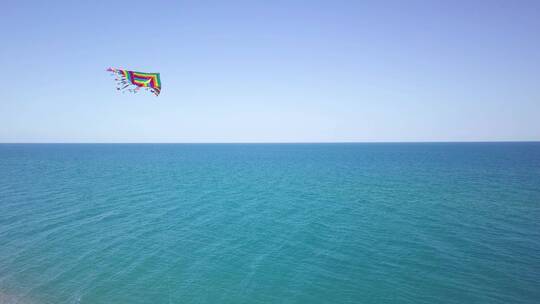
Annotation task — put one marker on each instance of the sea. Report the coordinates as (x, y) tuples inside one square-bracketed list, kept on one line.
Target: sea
[(270, 223)]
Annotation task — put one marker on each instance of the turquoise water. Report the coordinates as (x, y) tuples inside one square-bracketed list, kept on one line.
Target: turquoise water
[(270, 223)]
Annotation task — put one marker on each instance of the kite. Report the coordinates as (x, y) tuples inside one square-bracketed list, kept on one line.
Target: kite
[(133, 81)]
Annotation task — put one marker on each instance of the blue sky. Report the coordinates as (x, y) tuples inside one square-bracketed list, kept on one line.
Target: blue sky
[(271, 71)]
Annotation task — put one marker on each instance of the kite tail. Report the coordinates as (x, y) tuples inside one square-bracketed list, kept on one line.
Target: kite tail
[(122, 83)]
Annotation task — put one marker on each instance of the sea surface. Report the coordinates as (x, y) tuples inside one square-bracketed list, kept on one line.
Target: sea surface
[(270, 223)]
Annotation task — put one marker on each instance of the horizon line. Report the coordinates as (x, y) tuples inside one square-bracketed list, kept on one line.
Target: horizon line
[(269, 142)]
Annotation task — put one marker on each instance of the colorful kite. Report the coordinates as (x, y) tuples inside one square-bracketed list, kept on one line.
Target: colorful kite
[(133, 81)]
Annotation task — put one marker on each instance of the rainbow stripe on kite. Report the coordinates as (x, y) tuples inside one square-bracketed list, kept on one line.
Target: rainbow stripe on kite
[(133, 81)]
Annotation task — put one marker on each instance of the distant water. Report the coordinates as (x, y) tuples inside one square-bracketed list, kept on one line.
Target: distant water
[(270, 223)]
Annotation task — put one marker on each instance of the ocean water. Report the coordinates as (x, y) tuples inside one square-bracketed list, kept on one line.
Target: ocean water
[(270, 223)]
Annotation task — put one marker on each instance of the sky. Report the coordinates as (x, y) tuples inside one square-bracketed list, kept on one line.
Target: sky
[(271, 71)]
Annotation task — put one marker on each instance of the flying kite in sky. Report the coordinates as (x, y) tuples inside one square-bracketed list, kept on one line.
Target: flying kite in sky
[(133, 81)]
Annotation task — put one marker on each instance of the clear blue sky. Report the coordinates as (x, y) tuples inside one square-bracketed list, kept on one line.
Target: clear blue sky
[(271, 71)]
